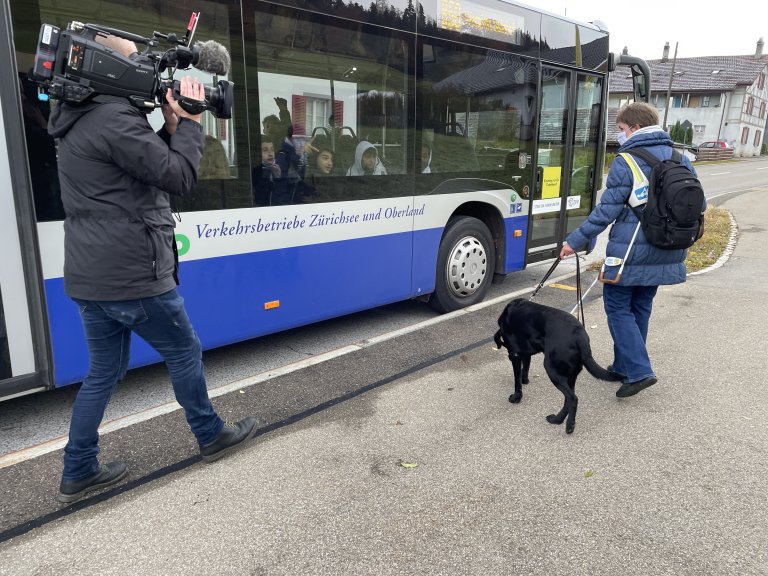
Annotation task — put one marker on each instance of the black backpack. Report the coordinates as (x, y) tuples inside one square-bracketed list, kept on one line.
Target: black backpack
[(673, 217)]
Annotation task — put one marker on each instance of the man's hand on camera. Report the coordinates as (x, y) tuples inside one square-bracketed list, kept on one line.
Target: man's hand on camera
[(191, 88), (121, 45), (171, 120)]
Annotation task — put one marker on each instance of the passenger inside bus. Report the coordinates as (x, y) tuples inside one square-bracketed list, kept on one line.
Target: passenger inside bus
[(322, 163), (426, 158), (367, 161), (276, 128), (264, 174), (291, 158)]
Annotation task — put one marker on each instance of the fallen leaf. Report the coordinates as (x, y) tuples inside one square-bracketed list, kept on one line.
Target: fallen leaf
[(409, 465), (588, 473)]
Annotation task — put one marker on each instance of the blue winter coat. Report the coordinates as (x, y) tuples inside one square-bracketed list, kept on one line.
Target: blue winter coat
[(646, 265)]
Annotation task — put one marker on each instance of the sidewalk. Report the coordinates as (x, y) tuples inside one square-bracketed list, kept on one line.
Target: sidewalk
[(669, 482)]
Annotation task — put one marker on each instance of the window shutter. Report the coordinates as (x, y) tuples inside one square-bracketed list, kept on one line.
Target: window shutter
[(299, 114), (338, 112)]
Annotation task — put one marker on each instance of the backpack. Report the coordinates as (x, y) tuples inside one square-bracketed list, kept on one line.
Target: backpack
[(673, 216)]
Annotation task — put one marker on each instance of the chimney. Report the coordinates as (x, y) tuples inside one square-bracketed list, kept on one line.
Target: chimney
[(759, 50), (625, 51), (665, 54)]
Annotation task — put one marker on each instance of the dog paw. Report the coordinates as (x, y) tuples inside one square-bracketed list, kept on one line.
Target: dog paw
[(525, 381), (515, 398), (569, 427), (554, 419)]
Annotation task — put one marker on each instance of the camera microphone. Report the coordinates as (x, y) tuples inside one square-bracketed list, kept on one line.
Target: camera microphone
[(212, 57)]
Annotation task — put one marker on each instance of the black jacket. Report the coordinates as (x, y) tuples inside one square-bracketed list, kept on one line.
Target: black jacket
[(116, 175)]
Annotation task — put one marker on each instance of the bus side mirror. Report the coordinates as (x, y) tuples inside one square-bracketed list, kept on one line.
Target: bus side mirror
[(639, 87), (641, 74)]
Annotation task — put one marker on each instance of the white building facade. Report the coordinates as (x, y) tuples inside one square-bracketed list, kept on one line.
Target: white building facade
[(717, 97)]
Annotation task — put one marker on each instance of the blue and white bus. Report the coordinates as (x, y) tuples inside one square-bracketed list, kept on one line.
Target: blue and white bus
[(485, 118)]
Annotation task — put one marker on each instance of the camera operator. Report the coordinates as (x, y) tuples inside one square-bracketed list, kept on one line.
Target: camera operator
[(120, 265)]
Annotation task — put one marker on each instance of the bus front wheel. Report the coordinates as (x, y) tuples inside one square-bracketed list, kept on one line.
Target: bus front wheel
[(464, 264)]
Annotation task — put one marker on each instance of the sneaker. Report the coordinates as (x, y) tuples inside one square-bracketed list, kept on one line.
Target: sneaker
[(229, 439), (107, 475), (634, 387)]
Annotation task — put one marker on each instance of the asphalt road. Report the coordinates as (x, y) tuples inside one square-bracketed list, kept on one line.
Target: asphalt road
[(669, 482), (44, 418)]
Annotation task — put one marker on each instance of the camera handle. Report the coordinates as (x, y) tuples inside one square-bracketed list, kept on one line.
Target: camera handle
[(119, 33)]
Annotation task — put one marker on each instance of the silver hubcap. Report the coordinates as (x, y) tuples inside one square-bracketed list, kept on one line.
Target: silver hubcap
[(467, 267)]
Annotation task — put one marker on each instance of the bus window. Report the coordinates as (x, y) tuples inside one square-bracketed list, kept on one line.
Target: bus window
[(332, 104), (477, 112), (218, 185), (41, 152), (586, 137)]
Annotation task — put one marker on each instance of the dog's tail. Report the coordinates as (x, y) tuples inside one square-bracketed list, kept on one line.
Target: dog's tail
[(593, 367), (498, 339)]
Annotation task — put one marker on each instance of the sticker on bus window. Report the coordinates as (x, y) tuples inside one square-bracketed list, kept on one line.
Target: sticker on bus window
[(572, 202), (551, 187)]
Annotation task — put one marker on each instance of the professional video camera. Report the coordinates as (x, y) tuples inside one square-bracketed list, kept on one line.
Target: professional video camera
[(71, 66)]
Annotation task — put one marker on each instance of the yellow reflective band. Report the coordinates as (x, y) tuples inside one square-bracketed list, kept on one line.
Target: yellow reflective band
[(636, 172)]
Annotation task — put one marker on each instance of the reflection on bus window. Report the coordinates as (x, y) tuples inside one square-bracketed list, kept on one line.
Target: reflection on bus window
[(213, 176), (333, 85), (219, 188), (41, 152), (586, 136), (478, 112)]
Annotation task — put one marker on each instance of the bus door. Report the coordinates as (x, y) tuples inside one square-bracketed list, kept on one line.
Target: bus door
[(567, 154), (23, 351)]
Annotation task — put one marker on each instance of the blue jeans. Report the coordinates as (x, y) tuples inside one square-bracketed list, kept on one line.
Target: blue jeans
[(163, 322), (628, 309)]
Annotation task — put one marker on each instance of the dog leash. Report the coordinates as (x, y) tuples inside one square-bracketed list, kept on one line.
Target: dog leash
[(547, 275), (580, 302)]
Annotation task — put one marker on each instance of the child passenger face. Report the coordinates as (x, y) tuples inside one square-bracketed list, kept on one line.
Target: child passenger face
[(369, 159), (325, 162), (268, 153)]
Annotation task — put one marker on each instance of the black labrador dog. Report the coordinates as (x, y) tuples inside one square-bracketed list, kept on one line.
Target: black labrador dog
[(527, 328)]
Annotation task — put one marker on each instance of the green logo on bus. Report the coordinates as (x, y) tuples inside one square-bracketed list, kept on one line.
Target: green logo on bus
[(182, 244), (513, 197)]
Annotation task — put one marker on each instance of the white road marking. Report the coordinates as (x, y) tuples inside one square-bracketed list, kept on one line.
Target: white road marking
[(129, 420)]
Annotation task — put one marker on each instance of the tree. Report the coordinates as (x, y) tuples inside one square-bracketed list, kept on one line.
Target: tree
[(677, 133), (409, 14)]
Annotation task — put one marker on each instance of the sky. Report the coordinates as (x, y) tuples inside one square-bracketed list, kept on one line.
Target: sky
[(700, 29)]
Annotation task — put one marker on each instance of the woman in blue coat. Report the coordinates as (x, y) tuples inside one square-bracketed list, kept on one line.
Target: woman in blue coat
[(629, 302)]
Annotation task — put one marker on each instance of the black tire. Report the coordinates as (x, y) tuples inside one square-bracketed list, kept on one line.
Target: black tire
[(465, 265)]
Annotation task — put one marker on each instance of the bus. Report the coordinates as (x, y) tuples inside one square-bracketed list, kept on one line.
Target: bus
[(434, 145)]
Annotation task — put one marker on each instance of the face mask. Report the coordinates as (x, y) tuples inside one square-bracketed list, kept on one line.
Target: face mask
[(621, 138)]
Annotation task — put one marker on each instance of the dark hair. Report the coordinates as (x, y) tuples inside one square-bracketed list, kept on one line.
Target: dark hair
[(324, 148)]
